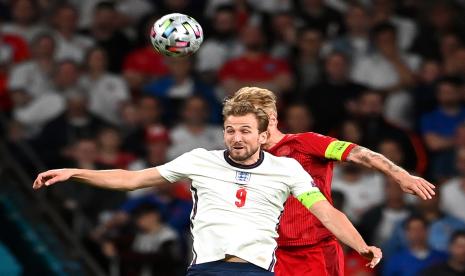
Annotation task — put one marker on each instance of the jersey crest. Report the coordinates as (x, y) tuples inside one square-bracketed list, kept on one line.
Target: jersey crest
[(243, 177)]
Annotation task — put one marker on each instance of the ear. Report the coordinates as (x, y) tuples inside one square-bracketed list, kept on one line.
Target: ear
[(263, 137), (272, 121)]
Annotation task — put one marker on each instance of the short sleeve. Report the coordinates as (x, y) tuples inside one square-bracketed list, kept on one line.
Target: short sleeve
[(300, 181), (177, 169), (325, 146)]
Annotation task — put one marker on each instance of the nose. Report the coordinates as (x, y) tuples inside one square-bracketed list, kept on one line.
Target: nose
[(237, 137)]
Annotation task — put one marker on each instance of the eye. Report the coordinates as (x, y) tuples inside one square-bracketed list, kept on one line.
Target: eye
[(245, 131)]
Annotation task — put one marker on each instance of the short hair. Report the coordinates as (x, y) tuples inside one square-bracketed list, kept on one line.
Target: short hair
[(381, 28), (242, 108), (456, 235), (259, 97), (415, 217)]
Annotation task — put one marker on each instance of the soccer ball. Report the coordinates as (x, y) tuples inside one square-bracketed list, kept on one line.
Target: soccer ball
[(176, 35)]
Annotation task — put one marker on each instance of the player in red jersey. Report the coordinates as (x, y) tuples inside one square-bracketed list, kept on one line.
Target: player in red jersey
[(305, 246)]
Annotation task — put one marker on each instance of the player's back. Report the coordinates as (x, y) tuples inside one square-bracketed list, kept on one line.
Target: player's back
[(297, 226)]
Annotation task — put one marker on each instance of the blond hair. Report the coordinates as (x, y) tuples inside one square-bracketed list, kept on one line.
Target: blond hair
[(242, 108), (259, 97)]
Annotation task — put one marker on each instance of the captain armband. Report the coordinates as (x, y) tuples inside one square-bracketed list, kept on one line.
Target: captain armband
[(336, 149), (310, 198)]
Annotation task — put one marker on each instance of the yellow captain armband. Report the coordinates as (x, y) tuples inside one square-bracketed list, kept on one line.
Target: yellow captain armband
[(311, 197), (336, 149)]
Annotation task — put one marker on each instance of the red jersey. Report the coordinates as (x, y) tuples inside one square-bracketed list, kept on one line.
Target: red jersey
[(263, 68), (316, 153), (146, 61)]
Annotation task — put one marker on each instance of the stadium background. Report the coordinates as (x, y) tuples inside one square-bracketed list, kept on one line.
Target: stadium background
[(80, 86)]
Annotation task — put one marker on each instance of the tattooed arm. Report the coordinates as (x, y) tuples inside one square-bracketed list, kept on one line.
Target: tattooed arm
[(409, 183)]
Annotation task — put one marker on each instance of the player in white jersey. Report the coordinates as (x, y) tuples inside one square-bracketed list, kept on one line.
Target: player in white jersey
[(238, 197)]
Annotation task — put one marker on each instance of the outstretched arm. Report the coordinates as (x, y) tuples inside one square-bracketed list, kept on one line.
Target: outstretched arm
[(108, 179), (342, 228), (409, 183)]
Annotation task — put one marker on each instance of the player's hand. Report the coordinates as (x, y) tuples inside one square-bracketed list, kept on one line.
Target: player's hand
[(51, 177), (373, 254), (417, 186)]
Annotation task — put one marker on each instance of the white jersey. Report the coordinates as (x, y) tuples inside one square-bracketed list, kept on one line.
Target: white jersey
[(237, 207)]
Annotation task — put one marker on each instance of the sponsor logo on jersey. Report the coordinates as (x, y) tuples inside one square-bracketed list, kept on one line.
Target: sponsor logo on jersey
[(243, 177)]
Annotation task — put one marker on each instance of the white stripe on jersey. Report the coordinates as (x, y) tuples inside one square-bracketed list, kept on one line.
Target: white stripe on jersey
[(236, 207)]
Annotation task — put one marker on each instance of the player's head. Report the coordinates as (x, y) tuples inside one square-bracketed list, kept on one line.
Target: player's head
[(245, 130), (260, 98)]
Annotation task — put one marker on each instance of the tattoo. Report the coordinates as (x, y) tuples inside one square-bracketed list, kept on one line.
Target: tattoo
[(368, 158)]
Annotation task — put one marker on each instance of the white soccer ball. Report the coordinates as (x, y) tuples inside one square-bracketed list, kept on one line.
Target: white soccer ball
[(176, 35)]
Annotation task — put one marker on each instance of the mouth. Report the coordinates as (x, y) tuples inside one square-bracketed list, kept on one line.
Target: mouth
[(238, 147)]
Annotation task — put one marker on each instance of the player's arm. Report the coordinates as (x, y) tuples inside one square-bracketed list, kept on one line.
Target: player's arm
[(339, 225), (409, 183), (108, 179)]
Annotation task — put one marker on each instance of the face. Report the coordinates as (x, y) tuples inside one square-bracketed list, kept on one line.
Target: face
[(85, 151), (385, 41), (310, 42), (45, 47), (356, 19), (149, 111), (23, 11), (225, 22), (68, 75), (430, 71), (179, 67), (457, 250), (448, 94), (252, 37), (242, 138), (416, 232), (298, 119), (97, 60), (371, 105), (66, 19), (104, 19), (392, 151), (109, 138), (195, 112), (336, 67), (146, 221)]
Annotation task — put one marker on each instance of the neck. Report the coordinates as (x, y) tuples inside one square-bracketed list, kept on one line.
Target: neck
[(275, 136), (457, 265), (250, 161), (195, 127), (419, 247), (451, 109), (95, 74)]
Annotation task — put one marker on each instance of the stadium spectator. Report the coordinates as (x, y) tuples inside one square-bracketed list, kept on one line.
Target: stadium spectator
[(418, 255), (393, 151), (74, 123), (368, 111), (317, 13), (157, 141), (268, 72), (334, 95), (66, 77), (453, 190), (378, 223), (355, 43), (110, 153), (194, 131), (298, 118), (391, 71), (455, 264), (35, 73), (439, 126), (406, 29), (307, 66), (180, 84), (283, 34), (440, 18), (13, 50), (220, 45), (153, 249), (70, 44), (107, 35), (143, 64), (83, 153), (424, 93), (24, 20), (449, 46), (149, 113), (107, 92), (361, 189)]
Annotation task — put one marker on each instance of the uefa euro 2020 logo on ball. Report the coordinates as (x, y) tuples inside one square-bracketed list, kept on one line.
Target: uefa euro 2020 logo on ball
[(176, 35)]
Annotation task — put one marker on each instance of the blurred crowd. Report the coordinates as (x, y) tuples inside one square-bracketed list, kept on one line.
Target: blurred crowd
[(81, 86)]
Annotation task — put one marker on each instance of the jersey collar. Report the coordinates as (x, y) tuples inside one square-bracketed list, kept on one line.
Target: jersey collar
[(241, 166)]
